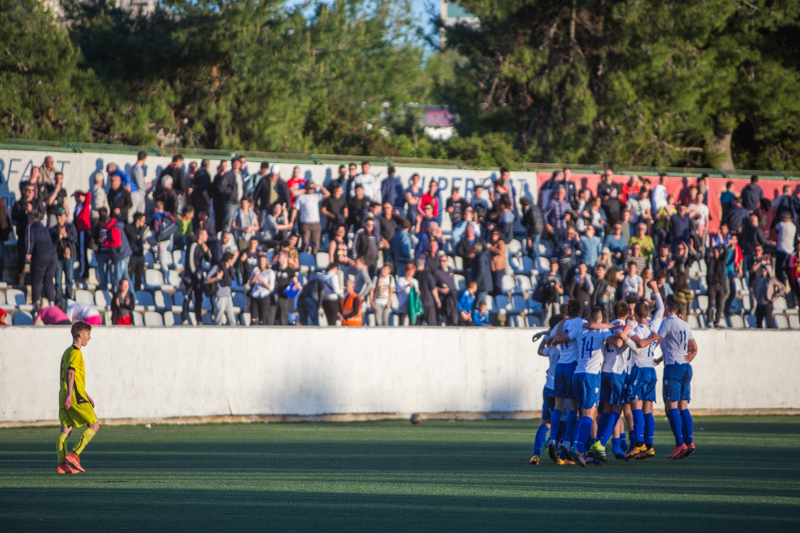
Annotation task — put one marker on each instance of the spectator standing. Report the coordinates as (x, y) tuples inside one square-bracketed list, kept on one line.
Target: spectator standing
[(47, 172), (497, 249), (56, 199), (164, 226), (733, 269), (606, 292), (20, 214), (365, 245), (610, 193), (455, 207), (119, 200), (261, 283), (136, 238), (351, 306), (446, 290), (392, 191), (119, 250), (99, 196), (413, 196), (684, 294), (286, 285), (717, 281), (768, 290), (5, 231), (405, 284), (568, 247), (192, 276), (402, 247), (787, 236), (556, 215), (309, 300), (465, 249), (681, 227), (383, 286), (65, 238), (664, 262), (369, 183), (684, 258), (140, 183), (185, 228), (387, 226), (175, 171), (221, 278), (752, 194), (307, 205), (481, 270), (736, 218), (358, 208), (231, 190), (41, 253), (167, 196), (429, 296), (533, 222), (581, 288), (199, 191), (431, 198), (334, 208), (331, 304), (297, 185), (548, 291), (479, 204), (659, 197), (362, 279), (752, 235), (122, 304), (99, 236), (271, 191)]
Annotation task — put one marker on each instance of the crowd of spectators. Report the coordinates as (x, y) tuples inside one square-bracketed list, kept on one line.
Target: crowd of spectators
[(379, 249)]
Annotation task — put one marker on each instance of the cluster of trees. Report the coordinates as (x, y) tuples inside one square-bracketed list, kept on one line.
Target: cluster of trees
[(627, 82)]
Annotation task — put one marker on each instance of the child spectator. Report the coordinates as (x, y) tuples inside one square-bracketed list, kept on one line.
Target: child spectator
[(480, 317), (185, 228), (465, 303)]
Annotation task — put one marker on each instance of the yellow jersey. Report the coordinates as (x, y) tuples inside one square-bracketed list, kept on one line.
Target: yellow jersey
[(73, 359)]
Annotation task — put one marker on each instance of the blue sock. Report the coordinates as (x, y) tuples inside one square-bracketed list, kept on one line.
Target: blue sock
[(555, 423), (608, 429), (561, 432), (541, 434), (649, 428), (676, 424), (582, 434), (572, 419), (601, 423), (688, 427), (632, 433), (638, 427)]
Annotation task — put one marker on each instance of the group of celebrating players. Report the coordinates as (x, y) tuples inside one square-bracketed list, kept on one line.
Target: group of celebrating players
[(612, 364)]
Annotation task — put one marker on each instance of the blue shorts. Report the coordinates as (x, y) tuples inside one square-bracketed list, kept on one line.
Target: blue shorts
[(587, 389), (563, 380), (677, 382), (612, 388), (642, 384), (548, 403)]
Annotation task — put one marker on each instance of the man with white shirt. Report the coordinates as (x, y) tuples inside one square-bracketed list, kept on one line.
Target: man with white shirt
[(679, 349), (369, 184), (566, 337), (307, 204), (659, 195), (548, 400), (138, 196), (642, 378)]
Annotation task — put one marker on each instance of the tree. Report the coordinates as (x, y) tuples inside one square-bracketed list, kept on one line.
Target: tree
[(634, 83)]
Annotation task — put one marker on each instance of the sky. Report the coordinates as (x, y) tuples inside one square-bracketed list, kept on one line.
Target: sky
[(419, 8)]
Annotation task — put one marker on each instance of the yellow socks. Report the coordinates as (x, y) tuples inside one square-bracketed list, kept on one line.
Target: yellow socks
[(83, 441), (61, 447)]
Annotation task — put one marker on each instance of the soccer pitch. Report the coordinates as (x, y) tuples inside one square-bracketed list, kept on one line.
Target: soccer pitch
[(392, 476)]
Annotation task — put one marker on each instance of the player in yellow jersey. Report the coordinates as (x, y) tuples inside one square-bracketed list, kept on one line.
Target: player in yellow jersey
[(76, 408)]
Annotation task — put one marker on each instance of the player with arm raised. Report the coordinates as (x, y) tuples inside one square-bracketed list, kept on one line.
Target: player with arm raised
[(679, 350), (548, 400), (642, 379)]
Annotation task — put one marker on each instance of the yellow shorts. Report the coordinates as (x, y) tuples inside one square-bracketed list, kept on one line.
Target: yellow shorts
[(78, 415)]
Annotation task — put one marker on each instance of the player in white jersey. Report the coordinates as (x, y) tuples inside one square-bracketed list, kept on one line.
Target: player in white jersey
[(566, 337), (642, 378), (679, 350), (548, 400), (586, 381)]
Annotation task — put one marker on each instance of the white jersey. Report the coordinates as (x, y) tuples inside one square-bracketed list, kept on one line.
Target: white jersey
[(591, 343), (615, 360), (552, 352), (627, 352), (643, 358), (677, 334), (569, 351)]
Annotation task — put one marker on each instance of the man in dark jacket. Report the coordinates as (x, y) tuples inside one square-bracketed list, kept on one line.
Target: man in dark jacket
[(365, 245), (736, 217), (20, 215), (271, 191), (135, 233), (310, 300), (753, 236), (481, 272), (752, 194), (446, 289), (533, 222), (428, 295), (41, 252), (201, 183), (174, 169), (717, 283), (231, 190), (192, 276), (119, 200), (465, 249), (5, 231), (65, 237), (392, 192)]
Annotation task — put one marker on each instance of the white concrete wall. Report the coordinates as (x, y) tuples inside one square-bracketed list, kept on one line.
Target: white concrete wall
[(171, 372)]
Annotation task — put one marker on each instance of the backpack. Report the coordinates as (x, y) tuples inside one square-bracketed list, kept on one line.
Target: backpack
[(164, 225)]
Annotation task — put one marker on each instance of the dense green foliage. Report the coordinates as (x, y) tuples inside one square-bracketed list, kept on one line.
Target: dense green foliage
[(634, 82), (623, 82), (392, 476)]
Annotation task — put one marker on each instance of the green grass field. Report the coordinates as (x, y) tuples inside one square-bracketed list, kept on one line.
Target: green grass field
[(392, 476)]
